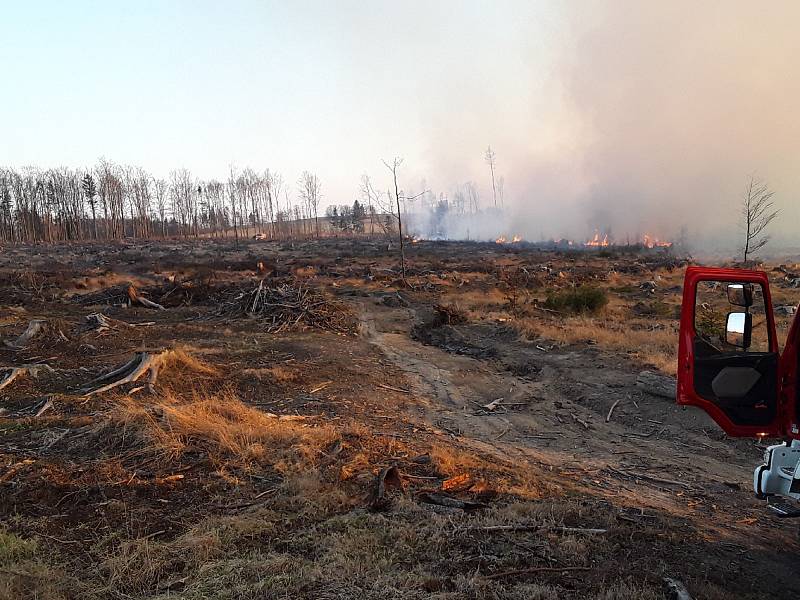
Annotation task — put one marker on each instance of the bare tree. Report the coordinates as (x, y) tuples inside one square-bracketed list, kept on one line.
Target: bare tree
[(90, 191), (393, 166), (372, 198), (490, 157), (473, 198), (757, 214), (311, 193), (160, 190), (232, 193), (182, 193)]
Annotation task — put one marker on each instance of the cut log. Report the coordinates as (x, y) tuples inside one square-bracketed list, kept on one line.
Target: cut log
[(9, 374), (131, 371), (657, 384), (35, 327), (135, 298)]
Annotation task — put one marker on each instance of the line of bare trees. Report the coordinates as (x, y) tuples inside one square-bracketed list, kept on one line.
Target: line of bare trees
[(111, 201)]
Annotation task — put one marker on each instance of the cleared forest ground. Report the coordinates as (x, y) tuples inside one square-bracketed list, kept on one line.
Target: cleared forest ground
[(317, 429)]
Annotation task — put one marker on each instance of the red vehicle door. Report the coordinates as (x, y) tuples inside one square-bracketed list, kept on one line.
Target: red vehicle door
[(728, 359)]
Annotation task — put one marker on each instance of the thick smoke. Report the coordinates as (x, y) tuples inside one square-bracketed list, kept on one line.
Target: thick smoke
[(665, 111)]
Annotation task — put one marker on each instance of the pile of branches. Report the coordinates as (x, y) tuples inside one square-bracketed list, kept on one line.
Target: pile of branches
[(18, 287), (111, 296), (284, 306)]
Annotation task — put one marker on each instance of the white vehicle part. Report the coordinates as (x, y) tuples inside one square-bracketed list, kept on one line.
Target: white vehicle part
[(779, 475)]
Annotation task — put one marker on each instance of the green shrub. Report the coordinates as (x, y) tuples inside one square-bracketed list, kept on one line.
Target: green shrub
[(583, 299), (13, 548)]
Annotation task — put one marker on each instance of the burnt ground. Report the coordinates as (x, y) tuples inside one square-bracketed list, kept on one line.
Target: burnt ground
[(198, 488)]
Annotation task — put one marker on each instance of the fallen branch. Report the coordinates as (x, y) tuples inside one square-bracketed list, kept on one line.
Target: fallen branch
[(579, 420), (394, 389), (447, 501), (535, 570), (651, 478), (611, 410), (320, 387), (587, 530), (492, 405), (287, 417)]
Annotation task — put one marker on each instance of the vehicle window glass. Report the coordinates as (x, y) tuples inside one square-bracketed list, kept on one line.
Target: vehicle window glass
[(712, 308)]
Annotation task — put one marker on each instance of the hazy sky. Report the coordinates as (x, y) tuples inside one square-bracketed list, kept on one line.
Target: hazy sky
[(630, 114)]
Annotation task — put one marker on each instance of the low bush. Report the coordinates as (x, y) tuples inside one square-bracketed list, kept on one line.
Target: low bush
[(579, 300)]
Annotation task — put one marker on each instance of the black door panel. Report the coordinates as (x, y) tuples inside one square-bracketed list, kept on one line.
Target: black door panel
[(743, 384)]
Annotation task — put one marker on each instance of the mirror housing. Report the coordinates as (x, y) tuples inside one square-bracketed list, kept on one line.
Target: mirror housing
[(739, 329), (740, 294)]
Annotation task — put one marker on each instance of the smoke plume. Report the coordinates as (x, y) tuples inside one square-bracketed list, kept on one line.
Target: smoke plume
[(658, 116)]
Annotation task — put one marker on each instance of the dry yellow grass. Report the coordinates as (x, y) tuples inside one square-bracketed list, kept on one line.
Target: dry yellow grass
[(278, 374), (184, 357), (656, 347), (222, 426)]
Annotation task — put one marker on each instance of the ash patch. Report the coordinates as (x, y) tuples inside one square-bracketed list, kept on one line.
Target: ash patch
[(453, 339), (482, 341)]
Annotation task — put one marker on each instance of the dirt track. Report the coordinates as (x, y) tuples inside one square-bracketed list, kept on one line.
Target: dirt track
[(651, 458)]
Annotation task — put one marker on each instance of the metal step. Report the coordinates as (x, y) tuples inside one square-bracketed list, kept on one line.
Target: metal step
[(784, 509)]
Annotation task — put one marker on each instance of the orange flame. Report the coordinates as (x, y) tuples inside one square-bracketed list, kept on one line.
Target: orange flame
[(597, 241), (501, 240), (653, 242), (516, 239)]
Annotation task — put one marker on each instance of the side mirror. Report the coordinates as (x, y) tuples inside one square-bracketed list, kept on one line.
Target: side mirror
[(740, 294), (739, 329)]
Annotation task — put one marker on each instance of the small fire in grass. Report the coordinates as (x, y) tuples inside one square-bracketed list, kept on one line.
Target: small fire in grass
[(504, 240), (597, 241), (653, 242)]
